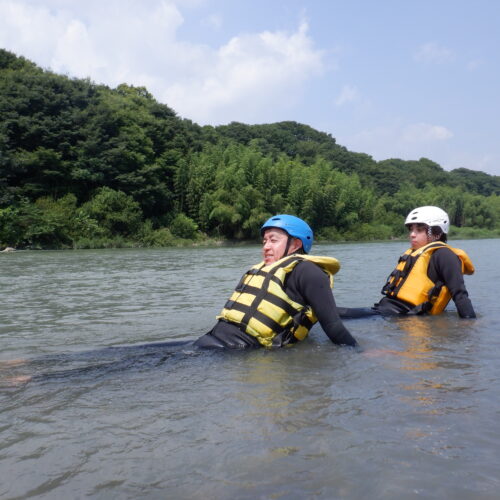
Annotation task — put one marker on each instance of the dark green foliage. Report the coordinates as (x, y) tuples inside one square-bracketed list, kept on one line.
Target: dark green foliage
[(295, 140), (47, 223), (83, 165), (475, 182), (115, 212), (184, 227), (8, 60)]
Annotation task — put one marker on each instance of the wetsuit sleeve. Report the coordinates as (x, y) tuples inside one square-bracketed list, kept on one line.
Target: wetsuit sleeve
[(313, 285), (446, 267)]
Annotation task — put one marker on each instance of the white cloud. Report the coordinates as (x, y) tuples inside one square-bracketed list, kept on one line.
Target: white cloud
[(414, 141), (107, 41), (347, 94), (433, 53), (76, 40), (136, 42), (246, 75), (474, 64), (31, 31), (423, 132), (409, 142), (488, 163), (214, 21)]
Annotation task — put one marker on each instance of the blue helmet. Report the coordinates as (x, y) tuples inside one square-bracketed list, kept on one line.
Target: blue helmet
[(295, 227)]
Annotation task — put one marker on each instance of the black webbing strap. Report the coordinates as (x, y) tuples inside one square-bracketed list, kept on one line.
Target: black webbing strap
[(273, 299), (406, 270), (403, 274), (241, 284), (434, 292), (263, 292), (304, 321), (242, 287), (432, 295), (390, 288)]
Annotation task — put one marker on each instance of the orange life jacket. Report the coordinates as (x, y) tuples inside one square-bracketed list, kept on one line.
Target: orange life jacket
[(409, 281)]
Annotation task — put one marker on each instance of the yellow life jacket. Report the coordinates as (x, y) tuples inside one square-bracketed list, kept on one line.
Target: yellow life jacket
[(260, 306), (409, 281)]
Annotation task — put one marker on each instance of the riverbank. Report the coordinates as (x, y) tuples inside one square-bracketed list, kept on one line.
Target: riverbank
[(462, 233)]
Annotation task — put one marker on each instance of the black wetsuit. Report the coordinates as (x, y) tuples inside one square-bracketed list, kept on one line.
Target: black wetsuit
[(444, 266), (307, 284)]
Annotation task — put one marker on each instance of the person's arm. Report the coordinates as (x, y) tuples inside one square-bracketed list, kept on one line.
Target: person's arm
[(314, 286), (448, 269)]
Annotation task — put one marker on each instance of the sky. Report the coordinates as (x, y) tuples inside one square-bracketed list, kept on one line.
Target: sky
[(390, 78)]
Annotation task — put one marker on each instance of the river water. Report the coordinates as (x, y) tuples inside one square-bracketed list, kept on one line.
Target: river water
[(416, 415)]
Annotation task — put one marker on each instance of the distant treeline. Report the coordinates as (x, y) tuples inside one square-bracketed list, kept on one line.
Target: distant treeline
[(83, 165)]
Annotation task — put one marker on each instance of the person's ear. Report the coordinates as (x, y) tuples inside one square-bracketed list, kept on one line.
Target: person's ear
[(296, 245)]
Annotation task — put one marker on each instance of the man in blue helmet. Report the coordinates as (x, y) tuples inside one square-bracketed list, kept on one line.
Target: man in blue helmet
[(278, 300), (274, 305)]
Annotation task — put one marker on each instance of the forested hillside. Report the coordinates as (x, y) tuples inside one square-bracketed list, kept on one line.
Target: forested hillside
[(83, 165)]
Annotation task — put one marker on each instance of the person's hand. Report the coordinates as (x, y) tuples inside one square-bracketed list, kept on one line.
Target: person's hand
[(9, 363), (15, 381)]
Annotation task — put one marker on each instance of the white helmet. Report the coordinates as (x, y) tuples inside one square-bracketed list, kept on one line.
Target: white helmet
[(432, 216)]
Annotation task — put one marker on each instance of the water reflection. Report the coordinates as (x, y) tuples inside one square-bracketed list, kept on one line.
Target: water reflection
[(437, 374), (419, 337)]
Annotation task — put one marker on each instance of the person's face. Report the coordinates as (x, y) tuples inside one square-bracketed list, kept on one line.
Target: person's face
[(417, 235), (274, 245)]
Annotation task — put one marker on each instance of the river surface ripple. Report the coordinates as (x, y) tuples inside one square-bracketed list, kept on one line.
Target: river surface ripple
[(169, 421)]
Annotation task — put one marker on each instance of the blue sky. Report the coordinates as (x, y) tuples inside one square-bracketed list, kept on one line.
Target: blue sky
[(390, 78)]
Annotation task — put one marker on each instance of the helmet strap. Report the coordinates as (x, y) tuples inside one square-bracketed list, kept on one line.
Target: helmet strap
[(288, 243)]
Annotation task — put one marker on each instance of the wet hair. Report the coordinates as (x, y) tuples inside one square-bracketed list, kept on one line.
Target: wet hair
[(289, 242), (437, 231), (431, 231), (421, 226)]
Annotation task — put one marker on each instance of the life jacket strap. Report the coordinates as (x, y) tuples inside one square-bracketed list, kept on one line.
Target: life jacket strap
[(262, 293), (422, 308), (242, 286), (435, 291)]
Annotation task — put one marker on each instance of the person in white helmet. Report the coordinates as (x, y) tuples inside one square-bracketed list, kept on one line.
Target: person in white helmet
[(427, 275)]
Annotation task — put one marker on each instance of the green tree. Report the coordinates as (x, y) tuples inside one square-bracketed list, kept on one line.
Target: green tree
[(114, 211), (184, 227)]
